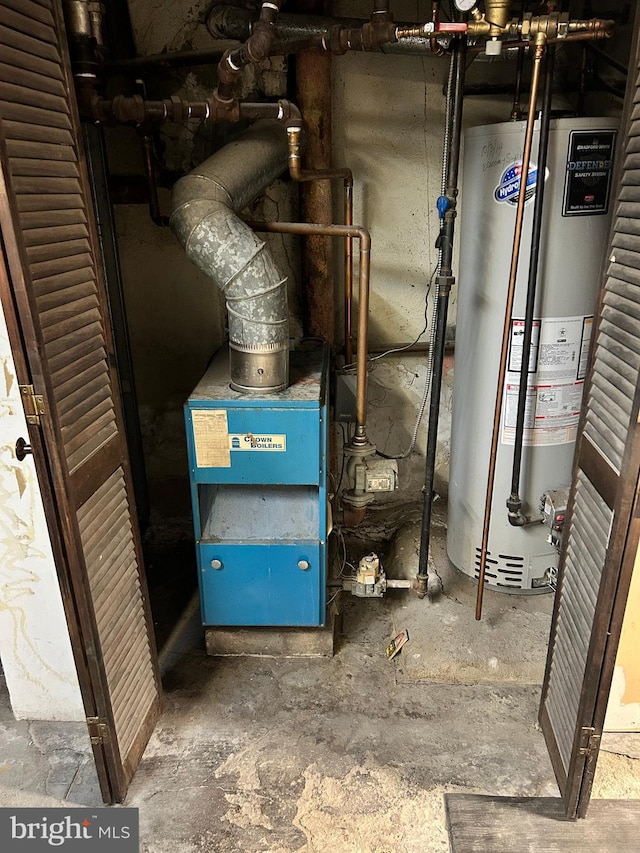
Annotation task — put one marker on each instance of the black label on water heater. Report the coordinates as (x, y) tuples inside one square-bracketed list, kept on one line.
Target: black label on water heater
[(589, 171)]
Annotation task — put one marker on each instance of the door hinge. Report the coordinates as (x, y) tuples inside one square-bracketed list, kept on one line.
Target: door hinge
[(98, 731), (589, 741), (33, 404)]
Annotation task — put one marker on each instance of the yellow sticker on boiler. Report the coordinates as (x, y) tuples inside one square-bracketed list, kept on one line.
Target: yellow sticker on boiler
[(211, 438)]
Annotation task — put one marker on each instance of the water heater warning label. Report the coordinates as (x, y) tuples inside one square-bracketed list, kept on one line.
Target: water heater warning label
[(557, 368)]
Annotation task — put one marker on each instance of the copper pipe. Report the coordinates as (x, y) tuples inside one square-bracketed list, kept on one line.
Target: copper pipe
[(348, 277), (361, 234), (294, 134), (515, 254)]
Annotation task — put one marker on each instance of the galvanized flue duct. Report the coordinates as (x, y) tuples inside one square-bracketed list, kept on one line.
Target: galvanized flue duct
[(204, 219)]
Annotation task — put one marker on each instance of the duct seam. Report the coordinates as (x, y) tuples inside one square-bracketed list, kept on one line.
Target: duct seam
[(205, 221)]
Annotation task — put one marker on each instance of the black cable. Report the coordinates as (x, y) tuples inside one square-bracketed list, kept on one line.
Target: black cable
[(514, 503)]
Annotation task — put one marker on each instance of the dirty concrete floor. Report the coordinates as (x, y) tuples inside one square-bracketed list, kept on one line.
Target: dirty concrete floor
[(348, 755)]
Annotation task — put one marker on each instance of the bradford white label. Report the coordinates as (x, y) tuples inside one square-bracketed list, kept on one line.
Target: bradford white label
[(589, 172)]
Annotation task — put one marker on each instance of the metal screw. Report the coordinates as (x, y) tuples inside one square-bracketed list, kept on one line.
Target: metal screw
[(304, 565), (216, 564)]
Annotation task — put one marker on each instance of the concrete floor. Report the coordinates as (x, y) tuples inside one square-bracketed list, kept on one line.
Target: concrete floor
[(350, 754)]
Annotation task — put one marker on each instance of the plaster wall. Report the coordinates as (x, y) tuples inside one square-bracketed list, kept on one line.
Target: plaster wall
[(35, 649)]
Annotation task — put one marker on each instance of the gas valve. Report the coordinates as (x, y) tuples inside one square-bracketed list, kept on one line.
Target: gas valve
[(371, 581), (554, 507), (368, 474)]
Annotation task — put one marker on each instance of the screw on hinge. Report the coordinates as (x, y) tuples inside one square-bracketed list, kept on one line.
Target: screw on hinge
[(98, 731), (589, 740), (33, 404)]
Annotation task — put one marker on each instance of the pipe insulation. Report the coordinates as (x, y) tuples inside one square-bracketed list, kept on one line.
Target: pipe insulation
[(204, 218)]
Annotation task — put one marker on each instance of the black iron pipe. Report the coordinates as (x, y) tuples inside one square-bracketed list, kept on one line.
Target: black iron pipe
[(151, 176), (514, 503), (446, 280), (293, 30), (516, 112), (257, 47), (170, 59)]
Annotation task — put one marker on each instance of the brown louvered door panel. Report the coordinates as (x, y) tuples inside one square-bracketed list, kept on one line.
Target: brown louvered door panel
[(603, 524), (54, 285)]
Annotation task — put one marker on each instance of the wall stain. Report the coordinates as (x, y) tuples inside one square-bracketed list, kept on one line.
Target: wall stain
[(18, 546)]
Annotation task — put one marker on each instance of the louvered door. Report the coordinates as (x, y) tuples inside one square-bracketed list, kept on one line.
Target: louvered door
[(603, 525), (54, 284)]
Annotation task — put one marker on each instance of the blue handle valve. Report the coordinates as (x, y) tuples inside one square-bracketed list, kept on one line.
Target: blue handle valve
[(443, 205)]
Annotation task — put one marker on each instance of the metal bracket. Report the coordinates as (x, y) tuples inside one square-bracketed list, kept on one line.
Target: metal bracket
[(98, 731), (33, 404), (589, 741)]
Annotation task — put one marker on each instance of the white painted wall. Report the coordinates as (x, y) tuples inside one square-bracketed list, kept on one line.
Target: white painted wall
[(35, 649)]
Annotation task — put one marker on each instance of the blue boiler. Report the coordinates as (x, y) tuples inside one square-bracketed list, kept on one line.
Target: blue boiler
[(258, 473)]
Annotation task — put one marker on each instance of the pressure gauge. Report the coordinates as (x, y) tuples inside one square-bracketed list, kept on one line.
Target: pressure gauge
[(464, 5)]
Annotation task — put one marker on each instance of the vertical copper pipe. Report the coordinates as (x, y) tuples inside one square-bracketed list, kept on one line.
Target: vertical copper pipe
[(363, 336), (361, 234), (348, 276), (294, 133), (515, 254)]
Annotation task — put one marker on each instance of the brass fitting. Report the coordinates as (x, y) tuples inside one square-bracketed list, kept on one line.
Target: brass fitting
[(497, 14), (596, 27), (479, 28), (552, 26), (294, 141)]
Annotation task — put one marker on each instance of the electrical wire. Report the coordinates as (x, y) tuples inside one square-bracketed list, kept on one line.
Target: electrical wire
[(333, 597), (350, 368), (424, 328), (345, 562)]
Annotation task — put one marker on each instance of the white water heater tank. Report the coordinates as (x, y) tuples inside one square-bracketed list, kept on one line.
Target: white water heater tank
[(574, 235)]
